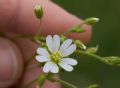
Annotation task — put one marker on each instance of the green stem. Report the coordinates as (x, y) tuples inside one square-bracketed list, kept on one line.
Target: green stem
[(39, 30), (65, 83), (66, 33), (29, 84), (90, 55), (69, 31)]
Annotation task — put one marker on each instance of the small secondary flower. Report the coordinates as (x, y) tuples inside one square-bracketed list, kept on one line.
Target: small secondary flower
[(57, 55)]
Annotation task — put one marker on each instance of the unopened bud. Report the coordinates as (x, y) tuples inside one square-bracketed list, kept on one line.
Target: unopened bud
[(112, 60), (38, 11), (92, 49), (91, 21), (80, 44)]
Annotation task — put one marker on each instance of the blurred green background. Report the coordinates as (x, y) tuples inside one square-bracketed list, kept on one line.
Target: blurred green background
[(106, 33)]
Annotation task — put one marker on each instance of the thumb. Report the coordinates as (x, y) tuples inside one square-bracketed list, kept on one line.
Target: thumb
[(11, 63)]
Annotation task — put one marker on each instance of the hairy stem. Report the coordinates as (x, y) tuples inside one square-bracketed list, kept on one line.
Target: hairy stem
[(69, 31), (91, 55), (39, 28)]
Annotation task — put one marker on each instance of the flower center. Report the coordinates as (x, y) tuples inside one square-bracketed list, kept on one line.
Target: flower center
[(55, 57)]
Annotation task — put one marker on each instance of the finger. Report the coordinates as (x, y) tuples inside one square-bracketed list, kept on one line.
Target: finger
[(7, 11), (55, 20), (11, 64)]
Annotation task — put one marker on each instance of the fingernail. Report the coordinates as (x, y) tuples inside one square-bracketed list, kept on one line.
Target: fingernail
[(11, 63)]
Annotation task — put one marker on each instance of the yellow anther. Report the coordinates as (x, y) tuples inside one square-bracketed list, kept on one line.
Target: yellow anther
[(56, 57)]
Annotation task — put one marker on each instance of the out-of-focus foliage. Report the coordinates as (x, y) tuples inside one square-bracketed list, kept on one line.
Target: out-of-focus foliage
[(106, 33)]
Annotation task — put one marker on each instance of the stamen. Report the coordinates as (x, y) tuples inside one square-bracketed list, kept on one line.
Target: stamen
[(56, 57)]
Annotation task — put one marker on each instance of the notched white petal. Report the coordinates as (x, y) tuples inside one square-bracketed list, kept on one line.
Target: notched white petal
[(65, 66), (56, 40), (65, 44), (69, 50), (55, 69), (43, 52), (70, 61), (47, 67), (42, 58), (49, 42)]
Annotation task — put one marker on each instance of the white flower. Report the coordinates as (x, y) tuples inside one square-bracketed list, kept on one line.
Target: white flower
[(56, 56)]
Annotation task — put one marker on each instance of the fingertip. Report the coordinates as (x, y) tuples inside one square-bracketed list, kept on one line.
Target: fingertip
[(11, 64), (85, 36), (57, 20)]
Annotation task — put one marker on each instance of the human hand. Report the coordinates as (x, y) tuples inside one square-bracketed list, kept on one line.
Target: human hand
[(17, 17)]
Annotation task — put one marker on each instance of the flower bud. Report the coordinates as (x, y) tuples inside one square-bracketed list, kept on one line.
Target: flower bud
[(77, 29), (92, 49), (80, 44), (38, 11), (112, 60), (91, 21)]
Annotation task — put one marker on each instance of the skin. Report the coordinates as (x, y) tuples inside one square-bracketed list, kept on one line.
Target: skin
[(17, 18)]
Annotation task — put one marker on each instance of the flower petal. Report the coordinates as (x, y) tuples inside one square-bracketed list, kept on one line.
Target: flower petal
[(56, 40), (43, 52), (42, 58), (70, 61), (47, 67), (65, 44), (55, 68), (69, 50), (49, 42), (65, 66)]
